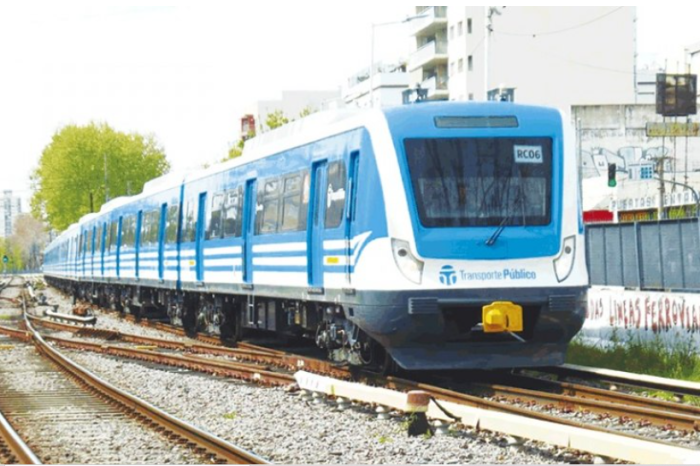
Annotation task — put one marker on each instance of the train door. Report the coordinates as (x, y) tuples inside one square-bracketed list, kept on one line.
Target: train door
[(350, 213), (161, 240), (314, 232), (199, 239), (249, 212)]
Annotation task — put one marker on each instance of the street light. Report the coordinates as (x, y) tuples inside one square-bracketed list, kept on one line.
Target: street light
[(371, 62)]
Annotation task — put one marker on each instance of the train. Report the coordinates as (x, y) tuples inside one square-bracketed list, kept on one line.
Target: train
[(430, 236)]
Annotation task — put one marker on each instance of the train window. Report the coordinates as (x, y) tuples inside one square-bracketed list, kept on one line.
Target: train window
[(215, 225), (98, 239), (233, 223), (171, 228), (113, 229), (149, 228), (189, 224), (128, 231), (290, 203), (335, 194), (268, 207), (295, 200), (460, 182), (88, 245)]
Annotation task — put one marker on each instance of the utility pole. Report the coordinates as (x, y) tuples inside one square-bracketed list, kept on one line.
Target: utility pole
[(490, 11)]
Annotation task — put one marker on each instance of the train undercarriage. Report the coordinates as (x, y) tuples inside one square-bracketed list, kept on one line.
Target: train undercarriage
[(232, 317)]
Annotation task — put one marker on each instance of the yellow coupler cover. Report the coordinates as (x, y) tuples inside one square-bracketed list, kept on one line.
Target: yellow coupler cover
[(502, 316)]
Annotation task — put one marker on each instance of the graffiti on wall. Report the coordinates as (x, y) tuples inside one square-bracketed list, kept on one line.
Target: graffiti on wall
[(629, 159), (641, 315)]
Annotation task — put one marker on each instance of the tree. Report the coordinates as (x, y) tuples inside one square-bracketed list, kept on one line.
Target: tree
[(276, 119), (29, 238), (70, 180), (235, 151)]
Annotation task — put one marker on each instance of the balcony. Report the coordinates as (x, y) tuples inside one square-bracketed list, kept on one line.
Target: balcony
[(436, 87), (428, 56), (435, 18)]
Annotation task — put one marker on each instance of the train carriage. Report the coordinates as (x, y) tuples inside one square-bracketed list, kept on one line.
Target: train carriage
[(435, 236)]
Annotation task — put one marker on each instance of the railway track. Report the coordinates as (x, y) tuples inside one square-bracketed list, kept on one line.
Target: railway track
[(666, 415), (45, 396), (547, 401)]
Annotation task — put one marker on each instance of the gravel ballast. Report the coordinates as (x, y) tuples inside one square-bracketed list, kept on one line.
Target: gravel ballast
[(283, 428)]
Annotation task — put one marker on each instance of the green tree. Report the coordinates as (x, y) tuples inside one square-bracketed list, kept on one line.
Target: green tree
[(70, 179), (235, 151), (276, 119)]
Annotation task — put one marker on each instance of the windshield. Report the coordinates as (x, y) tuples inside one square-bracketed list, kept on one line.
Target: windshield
[(461, 182)]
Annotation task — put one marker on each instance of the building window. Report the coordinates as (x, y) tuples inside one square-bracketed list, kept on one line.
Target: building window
[(470, 63), (460, 65), (471, 96), (452, 32), (452, 68), (469, 25), (459, 28)]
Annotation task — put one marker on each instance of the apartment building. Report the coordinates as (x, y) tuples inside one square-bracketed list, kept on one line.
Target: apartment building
[(556, 56), (10, 208)]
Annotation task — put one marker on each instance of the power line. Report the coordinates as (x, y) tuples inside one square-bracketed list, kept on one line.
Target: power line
[(558, 31)]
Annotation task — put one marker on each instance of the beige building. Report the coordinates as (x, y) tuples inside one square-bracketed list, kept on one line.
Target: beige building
[(555, 56)]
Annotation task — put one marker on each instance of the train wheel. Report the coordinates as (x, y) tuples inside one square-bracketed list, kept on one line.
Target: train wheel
[(231, 329), (377, 359), (189, 315)]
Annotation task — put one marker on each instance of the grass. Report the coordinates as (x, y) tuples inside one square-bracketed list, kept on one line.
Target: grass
[(230, 416), (630, 354)]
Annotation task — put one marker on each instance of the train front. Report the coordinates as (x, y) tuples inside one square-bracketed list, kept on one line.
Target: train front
[(487, 237)]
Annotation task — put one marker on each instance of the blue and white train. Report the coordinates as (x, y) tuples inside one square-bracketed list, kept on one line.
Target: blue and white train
[(435, 236)]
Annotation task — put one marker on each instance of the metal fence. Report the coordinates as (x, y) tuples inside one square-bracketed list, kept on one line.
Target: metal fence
[(661, 255)]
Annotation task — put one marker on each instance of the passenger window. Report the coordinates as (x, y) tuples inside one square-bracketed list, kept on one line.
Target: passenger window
[(171, 228), (233, 223), (268, 207), (214, 230), (98, 239), (335, 194), (295, 201), (128, 231), (113, 230), (189, 225)]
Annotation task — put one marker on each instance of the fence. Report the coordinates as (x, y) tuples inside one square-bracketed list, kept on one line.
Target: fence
[(661, 255)]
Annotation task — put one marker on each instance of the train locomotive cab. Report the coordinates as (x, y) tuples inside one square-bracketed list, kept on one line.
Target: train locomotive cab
[(486, 237)]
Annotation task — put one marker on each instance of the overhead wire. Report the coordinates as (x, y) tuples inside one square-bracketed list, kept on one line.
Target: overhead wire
[(558, 31)]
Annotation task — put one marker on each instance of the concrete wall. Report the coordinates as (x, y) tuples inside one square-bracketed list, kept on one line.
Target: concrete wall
[(616, 313), (617, 134)]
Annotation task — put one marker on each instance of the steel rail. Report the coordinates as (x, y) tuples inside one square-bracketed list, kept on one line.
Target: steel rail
[(19, 450), (625, 378), (220, 448)]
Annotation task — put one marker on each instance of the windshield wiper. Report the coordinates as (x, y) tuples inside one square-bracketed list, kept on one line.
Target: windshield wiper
[(499, 230), (502, 225)]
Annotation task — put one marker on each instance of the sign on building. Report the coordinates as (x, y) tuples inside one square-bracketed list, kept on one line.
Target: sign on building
[(658, 130)]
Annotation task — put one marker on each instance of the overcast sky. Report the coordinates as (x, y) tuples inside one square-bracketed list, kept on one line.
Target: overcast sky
[(187, 72)]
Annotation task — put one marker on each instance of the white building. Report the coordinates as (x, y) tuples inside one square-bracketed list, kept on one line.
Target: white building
[(389, 82), (292, 104), (10, 208), (555, 56)]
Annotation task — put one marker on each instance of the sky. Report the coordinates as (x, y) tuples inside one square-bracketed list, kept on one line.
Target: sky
[(187, 71)]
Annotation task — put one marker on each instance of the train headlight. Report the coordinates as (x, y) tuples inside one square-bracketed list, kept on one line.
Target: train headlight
[(407, 263), (564, 262)]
